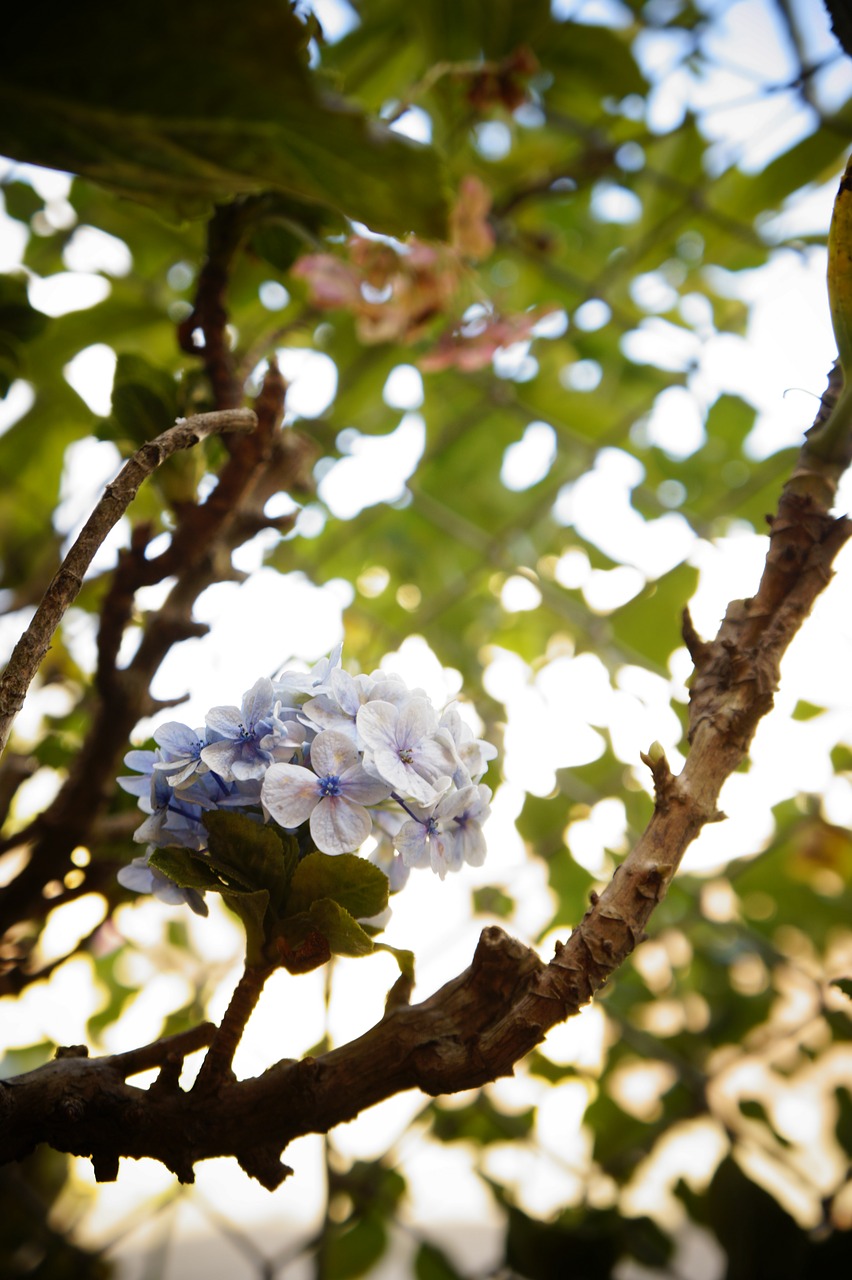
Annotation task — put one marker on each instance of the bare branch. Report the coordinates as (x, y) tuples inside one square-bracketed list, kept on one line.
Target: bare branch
[(479, 1025), (30, 650)]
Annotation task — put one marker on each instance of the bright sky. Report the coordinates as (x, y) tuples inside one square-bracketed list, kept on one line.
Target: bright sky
[(780, 366)]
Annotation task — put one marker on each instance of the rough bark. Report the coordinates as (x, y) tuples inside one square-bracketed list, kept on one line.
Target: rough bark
[(480, 1024)]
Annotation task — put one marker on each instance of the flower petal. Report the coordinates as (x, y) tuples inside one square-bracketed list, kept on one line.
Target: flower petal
[(290, 793), (338, 826), (332, 752), (377, 723), (227, 720)]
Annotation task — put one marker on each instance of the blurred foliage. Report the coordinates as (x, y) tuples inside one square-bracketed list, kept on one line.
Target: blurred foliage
[(633, 232)]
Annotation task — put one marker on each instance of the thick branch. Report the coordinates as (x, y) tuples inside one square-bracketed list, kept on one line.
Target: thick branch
[(29, 652), (479, 1025)]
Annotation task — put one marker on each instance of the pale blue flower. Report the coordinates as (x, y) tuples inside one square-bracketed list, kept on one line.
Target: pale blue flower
[(338, 707), (449, 835), (181, 752), (473, 753), (338, 754), (295, 687), (386, 827), (174, 818), (332, 794), (405, 747), (238, 753)]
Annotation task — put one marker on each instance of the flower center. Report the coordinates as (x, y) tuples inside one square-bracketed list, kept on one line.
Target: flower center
[(330, 786), (406, 755)]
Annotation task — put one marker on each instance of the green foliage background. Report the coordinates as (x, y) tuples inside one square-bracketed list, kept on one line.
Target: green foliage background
[(207, 106)]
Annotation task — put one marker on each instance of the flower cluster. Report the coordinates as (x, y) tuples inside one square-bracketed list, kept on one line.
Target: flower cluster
[(332, 756)]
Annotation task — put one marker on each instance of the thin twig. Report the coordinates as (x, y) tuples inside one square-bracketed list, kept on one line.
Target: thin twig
[(33, 645)]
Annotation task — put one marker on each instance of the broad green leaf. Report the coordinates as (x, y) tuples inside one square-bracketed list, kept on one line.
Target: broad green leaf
[(465, 29), (187, 869), (144, 401), (352, 882), (342, 931), (481, 1122), (651, 623), (247, 116), (591, 1240), (816, 158), (256, 855), (494, 901), (21, 200), (805, 710), (19, 323), (352, 1250), (431, 1263), (590, 54)]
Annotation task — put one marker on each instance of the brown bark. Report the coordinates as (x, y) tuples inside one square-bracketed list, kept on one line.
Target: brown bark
[(479, 1025)]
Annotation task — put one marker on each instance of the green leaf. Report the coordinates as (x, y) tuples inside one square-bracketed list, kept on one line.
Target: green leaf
[(21, 200), (590, 53), (352, 882), (591, 1241), (144, 401), (493, 901), (352, 1250), (480, 1122), (431, 1263), (758, 1235), (459, 31), (254, 855), (19, 324), (755, 1110), (187, 869), (342, 931), (843, 1128), (805, 710), (651, 622), (247, 115)]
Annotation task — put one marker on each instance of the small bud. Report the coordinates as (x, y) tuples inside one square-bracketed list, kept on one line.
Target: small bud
[(656, 754)]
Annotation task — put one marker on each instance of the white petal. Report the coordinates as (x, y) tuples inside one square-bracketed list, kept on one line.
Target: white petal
[(417, 720), (290, 793), (225, 720), (138, 876), (359, 786), (338, 826), (257, 703), (377, 722), (401, 777), (413, 844), (332, 753), (219, 756)]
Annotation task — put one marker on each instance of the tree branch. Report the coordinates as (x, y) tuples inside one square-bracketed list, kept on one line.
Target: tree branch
[(260, 464), (480, 1024), (29, 652)]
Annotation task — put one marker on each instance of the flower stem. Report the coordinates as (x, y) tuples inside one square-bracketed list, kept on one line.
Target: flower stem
[(400, 801), (216, 1067)]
